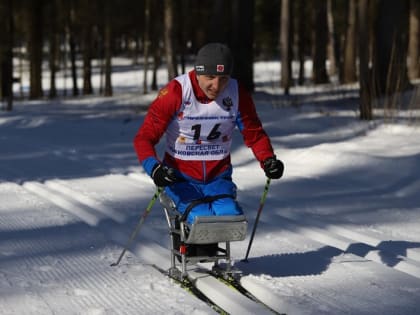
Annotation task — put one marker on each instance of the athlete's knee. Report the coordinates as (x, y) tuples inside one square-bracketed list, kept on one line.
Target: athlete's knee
[(226, 206)]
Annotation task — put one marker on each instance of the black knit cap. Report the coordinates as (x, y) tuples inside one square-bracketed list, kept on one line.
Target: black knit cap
[(214, 59)]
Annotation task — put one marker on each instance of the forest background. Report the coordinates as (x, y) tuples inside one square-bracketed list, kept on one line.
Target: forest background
[(371, 43)]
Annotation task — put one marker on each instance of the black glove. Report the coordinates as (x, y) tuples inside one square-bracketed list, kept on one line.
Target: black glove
[(163, 175), (273, 168)]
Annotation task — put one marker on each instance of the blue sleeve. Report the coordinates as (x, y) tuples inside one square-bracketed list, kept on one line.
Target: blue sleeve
[(148, 165)]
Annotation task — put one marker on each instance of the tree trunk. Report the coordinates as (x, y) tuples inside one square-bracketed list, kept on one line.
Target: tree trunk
[(72, 45), (242, 42), (184, 33), (365, 81), (108, 49), (216, 28), (169, 39), (6, 53), (301, 42), (156, 33), (413, 48), (87, 48), (54, 44), (286, 45), (349, 66), (35, 41), (390, 59), (331, 40), (320, 42), (146, 44)]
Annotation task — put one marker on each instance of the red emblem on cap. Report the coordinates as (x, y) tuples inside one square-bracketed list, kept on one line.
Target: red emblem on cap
[(220, 68)]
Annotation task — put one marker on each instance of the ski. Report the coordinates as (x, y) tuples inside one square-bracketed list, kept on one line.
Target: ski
[(233, 280), (236, 285), (222, 293), (189, 287)]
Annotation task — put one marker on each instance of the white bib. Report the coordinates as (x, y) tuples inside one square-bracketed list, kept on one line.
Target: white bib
[(203, 131)]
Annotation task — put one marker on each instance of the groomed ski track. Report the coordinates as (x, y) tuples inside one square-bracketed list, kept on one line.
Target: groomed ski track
[(106, 215), (91, 212), (51, 262)]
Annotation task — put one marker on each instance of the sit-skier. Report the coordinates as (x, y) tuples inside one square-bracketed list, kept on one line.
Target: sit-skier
[(198, 111)]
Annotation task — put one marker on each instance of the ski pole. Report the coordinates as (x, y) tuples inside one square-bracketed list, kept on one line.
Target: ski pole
[(139, 224), (262, 201)]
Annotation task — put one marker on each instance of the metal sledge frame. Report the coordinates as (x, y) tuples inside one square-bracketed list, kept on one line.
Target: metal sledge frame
[(204, 230)]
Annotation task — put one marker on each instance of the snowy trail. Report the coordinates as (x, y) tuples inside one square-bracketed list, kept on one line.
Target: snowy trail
[(88, 210), (85, 206), (360, 244), (339, 233), (52, 262), (104, 218)]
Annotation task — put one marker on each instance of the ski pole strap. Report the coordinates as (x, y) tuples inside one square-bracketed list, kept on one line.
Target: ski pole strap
[(206, 199)]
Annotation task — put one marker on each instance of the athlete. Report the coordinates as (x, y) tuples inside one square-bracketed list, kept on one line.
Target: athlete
[(199, 111)]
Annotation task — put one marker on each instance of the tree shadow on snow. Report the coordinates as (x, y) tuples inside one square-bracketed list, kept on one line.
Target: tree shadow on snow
[(398, 247), (390, 252), (317, 262), (296, 264)]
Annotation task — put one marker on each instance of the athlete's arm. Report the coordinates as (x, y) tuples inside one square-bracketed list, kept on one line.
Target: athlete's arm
[(158, 117), (251, 128)]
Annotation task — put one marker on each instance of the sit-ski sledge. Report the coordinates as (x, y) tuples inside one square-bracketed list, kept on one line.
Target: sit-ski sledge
[(206, 232)]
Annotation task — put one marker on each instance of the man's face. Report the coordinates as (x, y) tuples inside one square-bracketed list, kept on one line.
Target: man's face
[(212, 85)]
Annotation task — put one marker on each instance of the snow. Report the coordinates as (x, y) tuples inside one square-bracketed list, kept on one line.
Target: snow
[(339, 233)]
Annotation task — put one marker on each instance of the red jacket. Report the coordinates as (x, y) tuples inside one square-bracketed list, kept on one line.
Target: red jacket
[(164, 108)]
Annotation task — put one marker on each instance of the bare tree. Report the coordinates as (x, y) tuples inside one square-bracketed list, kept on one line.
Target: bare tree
[(216, 29), (108, 48), (242, 41), (184, 33), (156, 33), (365, 82), (6, 53), (413, 47), (331, 40), (86, 8), (54, 45), (319, 42), (35, 40), (349, 66), (390, 53), (301, 40), (70, 21), (146, 48), (286, 45), (169, 39)]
